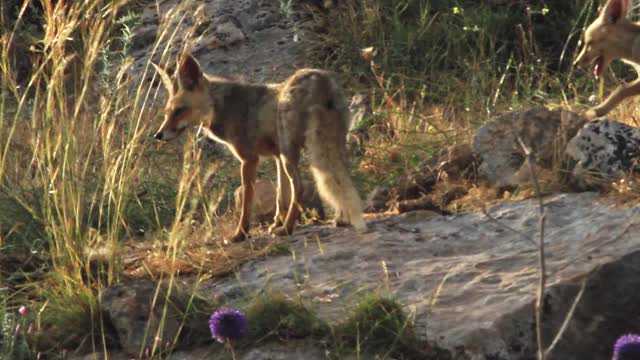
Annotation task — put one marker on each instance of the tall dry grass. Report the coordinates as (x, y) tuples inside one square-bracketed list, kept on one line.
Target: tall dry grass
[(78, 170)]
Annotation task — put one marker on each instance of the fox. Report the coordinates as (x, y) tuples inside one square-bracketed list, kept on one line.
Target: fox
[(307, 111), (611, 36)]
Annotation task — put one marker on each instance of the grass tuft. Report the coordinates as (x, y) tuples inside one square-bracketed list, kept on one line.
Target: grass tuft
[(274, 316), (378, 324)]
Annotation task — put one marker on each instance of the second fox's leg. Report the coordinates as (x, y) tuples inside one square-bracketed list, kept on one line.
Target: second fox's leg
[(619, 94), (290, 158), (248, 174), (283, 192)]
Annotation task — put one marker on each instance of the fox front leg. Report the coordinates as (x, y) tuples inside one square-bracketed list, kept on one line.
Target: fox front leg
[(248, 174), (622, 92), (283, 192)]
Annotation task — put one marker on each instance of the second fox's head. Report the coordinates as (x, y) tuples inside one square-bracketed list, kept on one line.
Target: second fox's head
[(608, 38), (188, 103)]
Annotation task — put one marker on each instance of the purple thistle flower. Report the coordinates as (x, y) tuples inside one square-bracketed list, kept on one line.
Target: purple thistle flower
[(627, 347), (227, 324)]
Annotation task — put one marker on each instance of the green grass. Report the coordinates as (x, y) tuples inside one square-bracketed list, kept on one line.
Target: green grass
[(275, 317), (378, 324)]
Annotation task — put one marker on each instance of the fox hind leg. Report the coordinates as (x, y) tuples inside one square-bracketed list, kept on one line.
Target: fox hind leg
[(283, 192), (290, 158)]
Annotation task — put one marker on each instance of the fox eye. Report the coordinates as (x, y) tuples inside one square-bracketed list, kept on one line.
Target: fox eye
[(179, 111)]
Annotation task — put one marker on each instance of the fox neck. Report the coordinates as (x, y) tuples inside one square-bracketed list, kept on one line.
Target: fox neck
[(626, 42), (215, 126)]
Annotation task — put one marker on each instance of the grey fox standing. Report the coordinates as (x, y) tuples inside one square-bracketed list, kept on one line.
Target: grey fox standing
[(307, 111)]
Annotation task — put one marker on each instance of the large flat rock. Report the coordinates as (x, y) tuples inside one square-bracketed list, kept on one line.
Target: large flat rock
[(470, 282)]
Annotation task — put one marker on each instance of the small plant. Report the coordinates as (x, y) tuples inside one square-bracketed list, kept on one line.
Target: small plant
[(377, 324), (275, 316), (14, 329), (228, 325), (71, 320)]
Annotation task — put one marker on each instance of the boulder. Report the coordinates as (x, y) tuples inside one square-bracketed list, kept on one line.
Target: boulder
[(265, 195), (458, 162), (377, 200), (415, 184), (604, 151), (360, 112), (137, 310), (470, 283), (135, 318), (254, 39), (436, 202), (544, 131)]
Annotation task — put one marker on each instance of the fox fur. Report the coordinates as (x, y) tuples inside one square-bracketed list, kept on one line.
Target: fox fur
[(306, 111), (610, 37)]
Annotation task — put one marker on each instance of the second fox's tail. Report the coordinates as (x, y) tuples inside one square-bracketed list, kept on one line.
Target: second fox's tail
[(326, 149)]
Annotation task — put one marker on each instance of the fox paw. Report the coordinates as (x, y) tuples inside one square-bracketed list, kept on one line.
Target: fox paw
[(339, 223), (238, 237), (274, 226), (281, 231), (591, 114)]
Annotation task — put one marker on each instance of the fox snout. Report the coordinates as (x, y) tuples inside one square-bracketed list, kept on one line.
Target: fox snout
[(165, 134)]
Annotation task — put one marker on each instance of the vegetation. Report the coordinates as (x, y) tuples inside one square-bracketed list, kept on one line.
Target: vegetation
[(378, 324), (274, 316), (86, 199)]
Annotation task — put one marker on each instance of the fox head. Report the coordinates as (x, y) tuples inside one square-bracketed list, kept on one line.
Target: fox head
[(188, 104), (608, 38)]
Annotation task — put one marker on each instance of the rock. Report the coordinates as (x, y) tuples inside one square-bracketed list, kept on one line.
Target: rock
[(453, 193), (360, 111), (264, 200), (425, 202), (136, 320), (251, 38), (458, 162), (433, 202), (226, 33), (605, 151), (413, 185), (292, 350), (469, 283), (377, 200), (546, 132)]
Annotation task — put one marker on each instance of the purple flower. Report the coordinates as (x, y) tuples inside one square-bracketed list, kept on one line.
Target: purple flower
[(23, 311), (227, 324), (627, 348)]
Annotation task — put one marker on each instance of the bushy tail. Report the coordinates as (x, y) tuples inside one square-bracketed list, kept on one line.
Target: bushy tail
[(326, 149)]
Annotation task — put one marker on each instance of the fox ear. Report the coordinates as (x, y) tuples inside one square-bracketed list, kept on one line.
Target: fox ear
[(166, 79), (615, 10), (189, 73)]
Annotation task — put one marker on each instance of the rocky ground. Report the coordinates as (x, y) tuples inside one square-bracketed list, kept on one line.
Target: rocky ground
[(468, 280)]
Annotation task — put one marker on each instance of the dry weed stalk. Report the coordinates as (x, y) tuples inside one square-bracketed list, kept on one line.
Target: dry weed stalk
[(543, 354)]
